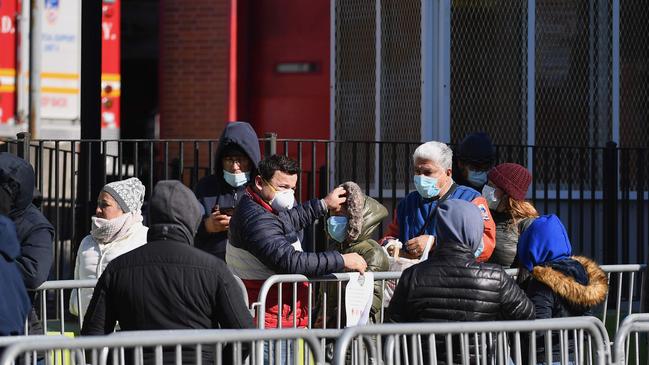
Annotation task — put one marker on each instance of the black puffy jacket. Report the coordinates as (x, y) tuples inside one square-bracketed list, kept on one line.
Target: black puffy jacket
[(565, 288), (452, 286), (263, 242), (167, 284)]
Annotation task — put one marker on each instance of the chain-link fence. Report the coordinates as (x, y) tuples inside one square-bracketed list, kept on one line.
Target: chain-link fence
[(489, 70), (634, 73), (565, 97), (355, 82), (377, 97)]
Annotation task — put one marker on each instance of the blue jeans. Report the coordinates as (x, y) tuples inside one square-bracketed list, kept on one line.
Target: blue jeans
[(278, 352)]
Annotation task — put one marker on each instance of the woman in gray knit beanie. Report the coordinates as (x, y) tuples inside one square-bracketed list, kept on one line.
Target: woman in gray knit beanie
[(116, 229)]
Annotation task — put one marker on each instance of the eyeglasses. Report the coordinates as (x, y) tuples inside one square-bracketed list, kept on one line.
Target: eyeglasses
[(232, 160)]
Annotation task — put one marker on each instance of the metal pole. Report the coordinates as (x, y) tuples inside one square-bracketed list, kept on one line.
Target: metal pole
[(378, 38), (271, 144), (24, 141), (616, 72), (22, 83), (444, 70), (610, 218), (427, 70), (91, 164), (36, 30), (531, 80), (331, 149)]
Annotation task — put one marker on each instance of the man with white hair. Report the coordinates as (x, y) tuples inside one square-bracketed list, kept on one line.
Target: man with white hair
[(414, 221)]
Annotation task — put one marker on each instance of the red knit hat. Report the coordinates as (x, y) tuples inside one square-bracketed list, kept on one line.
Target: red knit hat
[(512, 178)]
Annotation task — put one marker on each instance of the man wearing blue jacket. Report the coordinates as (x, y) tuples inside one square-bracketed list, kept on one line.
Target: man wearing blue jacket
[(265, 238)]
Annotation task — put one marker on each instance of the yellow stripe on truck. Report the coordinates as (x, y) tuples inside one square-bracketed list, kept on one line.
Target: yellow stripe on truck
[(7, 72), (59, 75), (110, 77), (60, 90), (70, 90)]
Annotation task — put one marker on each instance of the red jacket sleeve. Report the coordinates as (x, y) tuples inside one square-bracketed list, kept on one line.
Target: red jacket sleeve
[(489, 235)]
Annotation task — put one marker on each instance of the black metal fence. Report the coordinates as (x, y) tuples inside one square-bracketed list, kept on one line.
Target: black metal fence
[(600, 193)]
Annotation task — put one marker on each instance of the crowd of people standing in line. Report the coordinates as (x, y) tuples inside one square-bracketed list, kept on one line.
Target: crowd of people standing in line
[(466, 223)]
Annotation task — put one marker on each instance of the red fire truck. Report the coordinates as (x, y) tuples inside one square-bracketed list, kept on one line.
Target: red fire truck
[(60, 67)]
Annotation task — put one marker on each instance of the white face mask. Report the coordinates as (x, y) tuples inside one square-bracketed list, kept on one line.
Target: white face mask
[(489, 193), (283, 200)]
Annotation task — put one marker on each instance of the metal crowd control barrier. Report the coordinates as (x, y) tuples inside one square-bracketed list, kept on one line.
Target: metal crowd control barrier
[(159, 347), (581, 340), (616, 279), (294, 280), (60, 287), (633, 324), (625, 281), (60, 304)]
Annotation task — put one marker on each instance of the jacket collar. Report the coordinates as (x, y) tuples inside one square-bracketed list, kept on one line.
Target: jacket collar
[(259, 200), (567, 287), (452, 250)]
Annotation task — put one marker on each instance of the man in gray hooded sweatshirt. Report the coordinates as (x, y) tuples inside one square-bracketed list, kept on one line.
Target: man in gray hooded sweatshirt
[(167, 283)]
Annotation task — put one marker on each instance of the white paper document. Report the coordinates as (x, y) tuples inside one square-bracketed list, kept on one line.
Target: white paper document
[(358, 298)]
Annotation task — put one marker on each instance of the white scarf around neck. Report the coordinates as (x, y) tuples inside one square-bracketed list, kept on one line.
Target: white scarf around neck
[(108, 230)]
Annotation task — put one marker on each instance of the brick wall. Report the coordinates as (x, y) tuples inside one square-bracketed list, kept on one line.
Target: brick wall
[(194, 53)]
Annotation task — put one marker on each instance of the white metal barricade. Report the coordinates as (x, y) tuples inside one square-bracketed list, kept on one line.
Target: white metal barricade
[(630, 332), (62, 290), (292, 280), (580, 340), (623, 298), (160, 347)]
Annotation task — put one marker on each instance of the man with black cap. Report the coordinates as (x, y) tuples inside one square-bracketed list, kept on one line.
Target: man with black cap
[(476, 155)]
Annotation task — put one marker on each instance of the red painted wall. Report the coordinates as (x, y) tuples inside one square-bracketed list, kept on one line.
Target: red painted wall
[(295, 105)]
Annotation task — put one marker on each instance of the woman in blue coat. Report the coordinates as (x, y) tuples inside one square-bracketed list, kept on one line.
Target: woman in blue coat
[(559, 284)]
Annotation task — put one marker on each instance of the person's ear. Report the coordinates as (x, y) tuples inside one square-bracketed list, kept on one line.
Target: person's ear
[(449, 172), (259, 183)]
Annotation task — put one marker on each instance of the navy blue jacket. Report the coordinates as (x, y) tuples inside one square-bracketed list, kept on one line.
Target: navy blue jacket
[(269, 237), (35, 233), (14, 302), (213, 189)]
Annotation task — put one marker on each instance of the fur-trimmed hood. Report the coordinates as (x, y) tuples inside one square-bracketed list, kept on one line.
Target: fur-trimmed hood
[(364, 214), (565, 286)]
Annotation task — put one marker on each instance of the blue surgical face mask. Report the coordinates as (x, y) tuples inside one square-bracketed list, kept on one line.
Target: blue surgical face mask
[(477, 178), (337, 227), (426, 186), (236, 180)]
